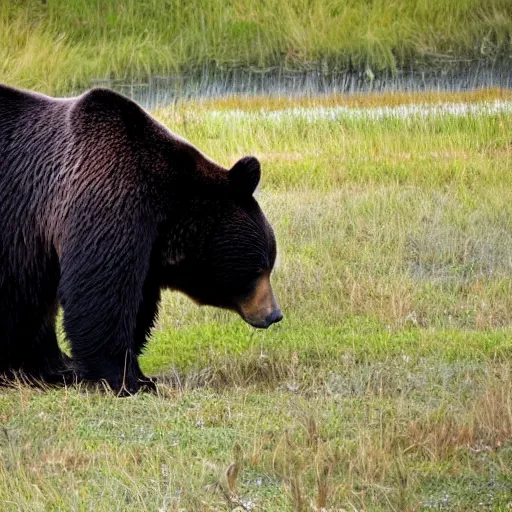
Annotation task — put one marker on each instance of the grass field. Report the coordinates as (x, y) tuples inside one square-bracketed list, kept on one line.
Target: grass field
[(388, 386), (59, 45)]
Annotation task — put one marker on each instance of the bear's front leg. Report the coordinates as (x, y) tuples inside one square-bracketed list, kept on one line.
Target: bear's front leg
[(101, 290), (119, 372)]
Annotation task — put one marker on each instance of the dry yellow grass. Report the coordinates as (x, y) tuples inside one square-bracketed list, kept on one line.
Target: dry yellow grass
[(391, 99)]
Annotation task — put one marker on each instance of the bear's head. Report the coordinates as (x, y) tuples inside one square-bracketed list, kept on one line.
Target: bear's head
[(230, 250)]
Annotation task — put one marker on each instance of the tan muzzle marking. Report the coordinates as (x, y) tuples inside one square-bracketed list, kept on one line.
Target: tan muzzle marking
[(261, 303)]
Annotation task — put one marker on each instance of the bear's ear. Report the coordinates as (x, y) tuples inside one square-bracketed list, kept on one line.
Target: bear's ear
[(245, 175)]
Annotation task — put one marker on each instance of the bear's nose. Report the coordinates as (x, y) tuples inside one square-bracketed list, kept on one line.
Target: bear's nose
[(266, 321), (274, 317)]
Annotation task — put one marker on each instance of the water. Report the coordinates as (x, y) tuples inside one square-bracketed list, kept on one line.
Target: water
[(312, 114), (215, 82)]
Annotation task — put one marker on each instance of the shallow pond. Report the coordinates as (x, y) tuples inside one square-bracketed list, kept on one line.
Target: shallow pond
[(159, 91)]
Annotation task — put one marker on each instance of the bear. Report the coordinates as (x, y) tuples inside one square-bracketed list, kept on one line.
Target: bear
[(101, 208)]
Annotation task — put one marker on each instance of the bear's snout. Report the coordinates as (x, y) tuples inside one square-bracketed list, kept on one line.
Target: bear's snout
[(261, 309), (272, 318)]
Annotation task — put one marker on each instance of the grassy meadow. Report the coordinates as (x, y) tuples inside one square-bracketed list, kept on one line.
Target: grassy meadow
[(388, 385), (60, 45)]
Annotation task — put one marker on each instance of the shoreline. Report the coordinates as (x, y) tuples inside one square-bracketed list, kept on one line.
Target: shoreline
[(206, 83)]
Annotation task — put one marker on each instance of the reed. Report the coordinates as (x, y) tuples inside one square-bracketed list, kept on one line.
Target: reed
[(59, 45)]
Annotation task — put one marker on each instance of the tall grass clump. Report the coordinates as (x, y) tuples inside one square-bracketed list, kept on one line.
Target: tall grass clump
[(57, 45)]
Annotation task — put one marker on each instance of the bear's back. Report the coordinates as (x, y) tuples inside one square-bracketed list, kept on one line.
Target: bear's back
[(15, 103), (24, 118), (31, 149)]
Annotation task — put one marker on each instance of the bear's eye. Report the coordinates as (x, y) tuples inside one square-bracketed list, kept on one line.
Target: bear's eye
[(250, 279), (256, 274)]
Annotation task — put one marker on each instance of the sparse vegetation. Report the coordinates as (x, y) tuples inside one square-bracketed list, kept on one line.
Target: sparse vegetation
[(387, 386), (60, 45)]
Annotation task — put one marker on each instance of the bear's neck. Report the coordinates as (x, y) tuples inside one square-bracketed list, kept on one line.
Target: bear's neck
[(183, 241)]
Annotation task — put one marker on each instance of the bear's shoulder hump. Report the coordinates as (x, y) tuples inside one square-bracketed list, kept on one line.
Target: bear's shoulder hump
[(106, 106)]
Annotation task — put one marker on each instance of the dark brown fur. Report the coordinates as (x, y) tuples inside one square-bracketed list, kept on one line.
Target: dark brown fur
[(100, 208)]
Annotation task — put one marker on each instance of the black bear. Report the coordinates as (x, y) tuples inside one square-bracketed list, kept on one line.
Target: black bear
[(101, 207)]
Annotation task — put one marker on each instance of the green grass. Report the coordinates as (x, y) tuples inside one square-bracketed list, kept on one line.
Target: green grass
[(59, 45), (387, 386)]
